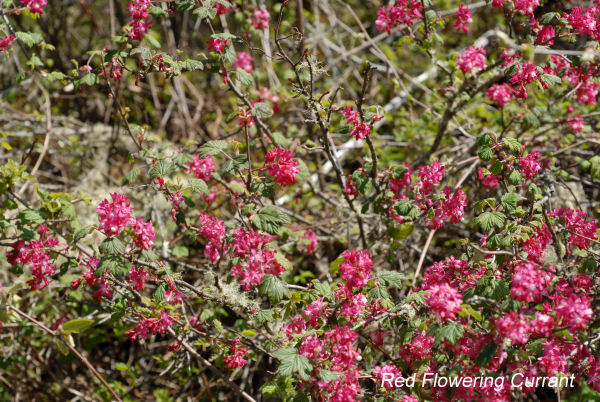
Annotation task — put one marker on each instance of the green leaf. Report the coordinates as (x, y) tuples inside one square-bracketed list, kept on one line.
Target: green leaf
[(328, 376), (198, 186), (400, 232), (31, 216), (551, 79), (451, 333), (486, 355), (159, 293), (206, 11), (265, 316), (273, 287), (29, 38), (90, 79), (292, 363), (269, 218), (323, 288), (417, 297), (488, 220), (116, 264), (77, 326), (161, 169), (513, 144), (486, 153), (81, 233), (156, 11), (379, 292), (191, 65), (244, 77), (390, 278), (130, 177), (547, 18), (212, 148), (185, 5), (510, 200), (262, 109), (152, 41), (112, 245), (283, 261)]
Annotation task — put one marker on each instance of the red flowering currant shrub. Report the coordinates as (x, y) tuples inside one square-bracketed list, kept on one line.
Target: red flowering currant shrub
[(299, 200)]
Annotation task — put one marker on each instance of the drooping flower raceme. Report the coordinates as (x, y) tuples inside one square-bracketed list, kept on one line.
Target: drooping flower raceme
[(471, 60), (114, 216), (281, 166), (201, 168)]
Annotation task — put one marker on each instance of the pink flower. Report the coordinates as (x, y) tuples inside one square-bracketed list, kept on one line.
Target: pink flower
[(140, 23), (309, 243), (244, 61), (530, 282), (453, 206), (202, 168), (584, 22), (236, 357), (36, 255), (444, 301), (514, 327), (525, 74), (144, 233), (260, 18), (355, 269), (245, 118), (554, 358), (218, 45), (430, 176), (381, 373), (398, 184), (501, 94), (463, 18), (35, 6), (213, 230), (582, 229), (281, 166), (5, 42), (530, 165), (138, 277), (114, 216), (526, 6), (360, 130), (349, 187), (575, 123), (419, 348), (546, 35), (255, 259), (404, 12), (488, 181), (587, 92), (471, 60)]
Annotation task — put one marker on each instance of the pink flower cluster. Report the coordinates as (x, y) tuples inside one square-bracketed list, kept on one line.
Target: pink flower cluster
[(419, 348), (444, 301), (309, 243), (35, 254), (138, 277), (471, 60), (525, 74), (236, 355), (501, 94), (35, 6), (154, 325), (201, 168), (453, 271), (244, 61), (463, 19), (256, 259), (360, 129), (336, 347), (140, 19), (448, 204), (281, 166), (530, 165), (218, 45), (581, 231), (530, 282), (115, 216), (514, 327), (355, 269), (5, 42), (260, 18), (404, 12), (488, 180), (92, 279), (213, 230)]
